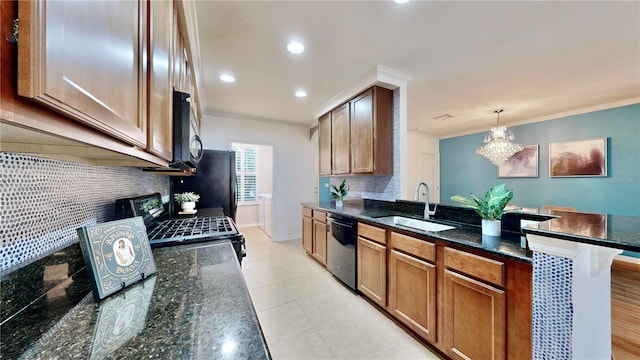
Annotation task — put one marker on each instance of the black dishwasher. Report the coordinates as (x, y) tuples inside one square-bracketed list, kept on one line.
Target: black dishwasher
[(341, 249)]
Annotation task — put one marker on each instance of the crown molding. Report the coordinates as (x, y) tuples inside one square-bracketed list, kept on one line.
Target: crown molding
[(377, 75), (583, 110)]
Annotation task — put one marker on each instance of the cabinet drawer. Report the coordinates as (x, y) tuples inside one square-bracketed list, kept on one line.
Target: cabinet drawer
[(373, 233), (413, 246), (306, 212), (320, 216), (474, 265)]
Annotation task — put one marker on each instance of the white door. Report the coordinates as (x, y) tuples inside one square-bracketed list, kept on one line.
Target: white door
[(430, 173)]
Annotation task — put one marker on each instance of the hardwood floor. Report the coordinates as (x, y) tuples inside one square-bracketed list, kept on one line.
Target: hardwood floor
[(625, 310)]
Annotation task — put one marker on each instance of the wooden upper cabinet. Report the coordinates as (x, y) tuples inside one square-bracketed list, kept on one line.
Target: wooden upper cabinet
[(161, 38), (360, 136), (324, 144), (178, 55), (372, 132), (85, 60), (340, 140), (362, 133)]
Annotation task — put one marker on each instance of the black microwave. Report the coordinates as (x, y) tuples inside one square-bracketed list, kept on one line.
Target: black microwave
[(187, 145)]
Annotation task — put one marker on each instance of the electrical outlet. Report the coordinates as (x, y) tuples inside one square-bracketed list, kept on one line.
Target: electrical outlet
[(326, 185)]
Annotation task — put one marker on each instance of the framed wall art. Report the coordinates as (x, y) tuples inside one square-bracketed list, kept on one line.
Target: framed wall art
[(578, 158), (521, 164), (116, 254)]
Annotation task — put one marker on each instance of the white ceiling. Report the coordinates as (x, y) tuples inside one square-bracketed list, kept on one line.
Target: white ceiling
[(534, 59)]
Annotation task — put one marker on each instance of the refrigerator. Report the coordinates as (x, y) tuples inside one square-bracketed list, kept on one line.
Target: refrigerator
[(215, 181)]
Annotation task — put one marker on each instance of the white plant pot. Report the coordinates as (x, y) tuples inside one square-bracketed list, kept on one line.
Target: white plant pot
[(338, 204), (189, 205), (491, 228)]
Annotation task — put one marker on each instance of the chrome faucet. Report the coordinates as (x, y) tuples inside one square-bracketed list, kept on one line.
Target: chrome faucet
[(416, 197)]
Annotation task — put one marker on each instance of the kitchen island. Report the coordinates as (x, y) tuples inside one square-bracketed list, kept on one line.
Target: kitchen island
[(565, 289), (196, 306), (465, 294)]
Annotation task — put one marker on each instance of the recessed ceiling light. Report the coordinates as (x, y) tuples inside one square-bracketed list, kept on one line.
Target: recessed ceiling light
[(295, 47), (443, 117), (228, 78), (301, 93), (401, 1)]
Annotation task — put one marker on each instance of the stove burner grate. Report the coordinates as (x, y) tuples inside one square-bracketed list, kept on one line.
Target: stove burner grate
[(193, 227)]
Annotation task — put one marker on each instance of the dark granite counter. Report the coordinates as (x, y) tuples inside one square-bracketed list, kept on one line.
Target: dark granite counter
[(469, 235), (196, 306), (615, 231)]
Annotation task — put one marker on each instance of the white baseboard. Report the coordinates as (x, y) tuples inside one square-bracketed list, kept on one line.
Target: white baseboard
[(287, 237)]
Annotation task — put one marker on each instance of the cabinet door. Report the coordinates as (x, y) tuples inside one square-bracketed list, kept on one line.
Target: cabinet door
[(362, 133), (178, 54), (85, 59), (412, 293), (474, 315), (324, 144), (340, 138), (320, 241), (307, 234), (161, 35), (372, 270)]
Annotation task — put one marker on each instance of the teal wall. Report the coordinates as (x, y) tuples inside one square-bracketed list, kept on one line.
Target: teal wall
[(324, 193), (463, 171)]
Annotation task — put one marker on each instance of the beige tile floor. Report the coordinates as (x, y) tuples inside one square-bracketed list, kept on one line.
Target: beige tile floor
[(306, 314)]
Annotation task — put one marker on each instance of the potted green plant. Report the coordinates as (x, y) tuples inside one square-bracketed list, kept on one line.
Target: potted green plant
[(339, 193), (187, 200), (490, 209)]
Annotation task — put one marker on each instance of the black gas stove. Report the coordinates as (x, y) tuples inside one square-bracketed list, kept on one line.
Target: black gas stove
[(164, 230)]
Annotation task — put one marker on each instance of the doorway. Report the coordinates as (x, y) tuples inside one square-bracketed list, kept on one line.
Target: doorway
[(254, 170)]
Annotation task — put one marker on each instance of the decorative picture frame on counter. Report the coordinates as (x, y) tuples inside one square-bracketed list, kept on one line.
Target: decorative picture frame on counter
[(521, 164), (116, 254), (578, 158)]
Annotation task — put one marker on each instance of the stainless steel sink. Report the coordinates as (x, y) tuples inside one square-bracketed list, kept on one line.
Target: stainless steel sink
[(416, 224)]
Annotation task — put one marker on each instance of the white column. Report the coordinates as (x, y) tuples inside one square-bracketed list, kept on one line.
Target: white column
[(589, 298)]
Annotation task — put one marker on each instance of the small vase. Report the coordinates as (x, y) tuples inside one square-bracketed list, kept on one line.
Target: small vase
[(491, 227), (339, 204), (189, 205)]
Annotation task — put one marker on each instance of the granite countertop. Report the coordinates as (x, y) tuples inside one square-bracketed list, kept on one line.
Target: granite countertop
[(508, 245), (615, 231), (196, 306)]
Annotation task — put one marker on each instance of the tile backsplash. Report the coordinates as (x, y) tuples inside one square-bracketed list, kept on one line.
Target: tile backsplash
[(44, 201)]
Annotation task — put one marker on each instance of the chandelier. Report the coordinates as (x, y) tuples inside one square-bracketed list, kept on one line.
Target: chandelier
[(498, 146)]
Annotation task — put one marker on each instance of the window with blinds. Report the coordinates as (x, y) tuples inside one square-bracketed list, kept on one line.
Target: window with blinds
[(246, 171)]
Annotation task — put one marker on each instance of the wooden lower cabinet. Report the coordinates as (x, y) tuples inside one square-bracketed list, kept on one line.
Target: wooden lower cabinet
[(307, 234), (474, 318), (320, 241), (372, 270), (314, 234), (412, 293)]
